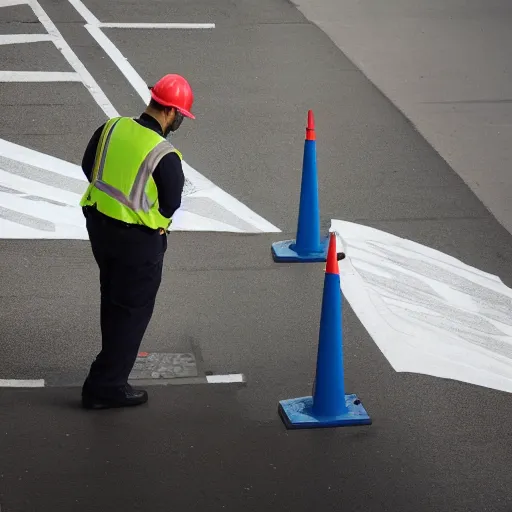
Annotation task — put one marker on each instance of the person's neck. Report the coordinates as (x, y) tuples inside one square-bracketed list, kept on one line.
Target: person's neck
[(155, 116)]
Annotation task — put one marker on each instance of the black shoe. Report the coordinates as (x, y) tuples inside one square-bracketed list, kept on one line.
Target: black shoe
[(124, 396)]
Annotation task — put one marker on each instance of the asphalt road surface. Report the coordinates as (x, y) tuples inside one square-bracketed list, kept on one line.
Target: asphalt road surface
[(434, 445)]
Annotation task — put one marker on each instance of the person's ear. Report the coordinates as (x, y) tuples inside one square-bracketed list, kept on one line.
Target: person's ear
[(171, 116)]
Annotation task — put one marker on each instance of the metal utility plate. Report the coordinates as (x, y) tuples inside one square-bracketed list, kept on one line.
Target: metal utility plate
[(157, 365)]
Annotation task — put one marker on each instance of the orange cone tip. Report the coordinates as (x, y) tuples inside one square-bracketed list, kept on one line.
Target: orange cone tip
[(332, 256), (310, 129)]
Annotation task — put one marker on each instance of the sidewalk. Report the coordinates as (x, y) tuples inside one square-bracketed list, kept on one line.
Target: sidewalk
[(446, 65)]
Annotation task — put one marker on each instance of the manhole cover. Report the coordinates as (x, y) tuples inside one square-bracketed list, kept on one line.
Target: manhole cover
[(157, 365)]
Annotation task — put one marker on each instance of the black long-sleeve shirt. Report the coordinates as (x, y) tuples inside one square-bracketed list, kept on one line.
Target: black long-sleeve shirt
[(168, 174)]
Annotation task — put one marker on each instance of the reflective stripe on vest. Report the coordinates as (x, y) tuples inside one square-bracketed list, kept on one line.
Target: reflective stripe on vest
[(142, 209)]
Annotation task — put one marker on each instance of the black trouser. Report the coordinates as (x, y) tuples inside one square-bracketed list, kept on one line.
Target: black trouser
[(130, 261)]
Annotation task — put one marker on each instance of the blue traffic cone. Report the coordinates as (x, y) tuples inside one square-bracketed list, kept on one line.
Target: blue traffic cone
[(308, 245), (329, 406)]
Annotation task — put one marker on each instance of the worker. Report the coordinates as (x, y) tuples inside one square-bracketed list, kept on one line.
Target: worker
[(135, 185)]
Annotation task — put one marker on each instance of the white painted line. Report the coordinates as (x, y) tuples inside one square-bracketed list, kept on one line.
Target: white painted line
[(9, 3), (39, 76), (24, 38), (68, 222), (40, 203), (11, 229), (86, 14), (225, 379), (228, 201), (56, 214), (184, 220), (16, 383), (121, 62), (35, 188), (156, 25), (87, 79), (41, 160)]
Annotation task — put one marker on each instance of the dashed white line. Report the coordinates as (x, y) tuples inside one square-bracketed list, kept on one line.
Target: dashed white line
[(225, 379), (20, 383), (40, 383)]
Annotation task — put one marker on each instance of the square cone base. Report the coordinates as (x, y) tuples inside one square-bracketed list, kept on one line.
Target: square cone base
[(285, 251), (298, 413)]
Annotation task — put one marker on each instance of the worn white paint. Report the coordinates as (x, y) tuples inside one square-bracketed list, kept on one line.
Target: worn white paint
[(225, 379), (39, 76), (24, 38), (158, 25), (20, 383), (428, 312), (30, 187), (40, 195)]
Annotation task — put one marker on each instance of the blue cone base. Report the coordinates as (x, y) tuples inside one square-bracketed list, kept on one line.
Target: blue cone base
[(286, 251), (297, 413)]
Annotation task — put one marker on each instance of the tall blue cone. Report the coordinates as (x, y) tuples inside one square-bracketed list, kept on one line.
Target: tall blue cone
[(308, 245), (329, 406)]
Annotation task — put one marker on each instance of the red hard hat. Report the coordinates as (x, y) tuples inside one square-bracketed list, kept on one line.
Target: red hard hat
[(174, 91)]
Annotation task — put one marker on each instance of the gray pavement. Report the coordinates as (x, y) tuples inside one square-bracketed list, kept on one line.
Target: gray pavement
[(434, 444), (210, 447), (445, 64)]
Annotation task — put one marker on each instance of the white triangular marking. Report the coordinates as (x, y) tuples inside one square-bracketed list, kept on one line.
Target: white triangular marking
[(428, 312), (40, 195)]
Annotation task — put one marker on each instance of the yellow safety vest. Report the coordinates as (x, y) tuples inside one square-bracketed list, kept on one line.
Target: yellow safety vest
[(122, 185)]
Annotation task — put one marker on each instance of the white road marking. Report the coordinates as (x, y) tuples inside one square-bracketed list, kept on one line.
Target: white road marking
[(55, 36), (24, 38), (243, 211), (428, 312), (63, 215), (39, 76), (158, 25), (52, 210), (40, 383), (87, 79), (31, 187), (10, 3), (225, 379), (35, 207), (18, 383), (34, 158), (86, 14), (120, 61)]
